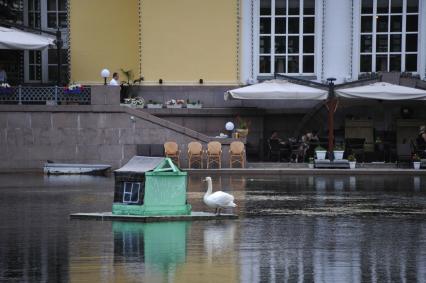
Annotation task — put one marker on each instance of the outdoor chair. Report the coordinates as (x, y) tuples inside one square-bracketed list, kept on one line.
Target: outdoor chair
[(214, 154), (236, 154), (195, 154), (355, 146), (172, 151), (404, 153)]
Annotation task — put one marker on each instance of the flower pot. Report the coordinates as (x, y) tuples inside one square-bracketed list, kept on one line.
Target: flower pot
[(320, 154), (416, 165), (174, 106), (338, 154), (194, 106), (242, 132), (311, 166), (352, 164), (154, 106)]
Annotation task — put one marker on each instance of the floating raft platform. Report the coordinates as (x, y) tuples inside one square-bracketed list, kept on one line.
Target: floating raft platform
[(194, 216)]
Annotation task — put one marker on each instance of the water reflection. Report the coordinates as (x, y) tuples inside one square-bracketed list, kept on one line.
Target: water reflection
[(292, 228)]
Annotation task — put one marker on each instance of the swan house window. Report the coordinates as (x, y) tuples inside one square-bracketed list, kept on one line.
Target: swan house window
[(286, 36), (389, 35)]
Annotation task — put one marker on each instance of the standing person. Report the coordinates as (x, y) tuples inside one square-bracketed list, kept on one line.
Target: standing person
[(115, 80), (3, 75), (421, 142)]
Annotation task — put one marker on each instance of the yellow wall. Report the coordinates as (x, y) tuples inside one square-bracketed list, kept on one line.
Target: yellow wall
[(104, 34), (186, 40)]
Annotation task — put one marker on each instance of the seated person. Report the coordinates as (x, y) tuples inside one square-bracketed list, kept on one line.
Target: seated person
[(274, 136), (421, 142)]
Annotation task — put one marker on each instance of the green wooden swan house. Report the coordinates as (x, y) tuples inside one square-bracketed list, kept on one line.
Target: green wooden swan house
[(150, 186)]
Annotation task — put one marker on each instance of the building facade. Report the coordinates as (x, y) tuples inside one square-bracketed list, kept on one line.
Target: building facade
[(231, 42), (36, 67)]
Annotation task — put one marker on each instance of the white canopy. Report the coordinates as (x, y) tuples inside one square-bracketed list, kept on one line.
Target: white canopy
[(276, 90), (382, 91), (20, 40)]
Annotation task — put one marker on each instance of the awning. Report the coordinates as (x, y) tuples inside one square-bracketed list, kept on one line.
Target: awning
[(140, 164), (20, 40), (382, 91), (276, 90)]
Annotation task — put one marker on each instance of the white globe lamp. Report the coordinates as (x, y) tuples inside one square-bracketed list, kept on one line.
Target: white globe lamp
[(229, 126), (105, 74)]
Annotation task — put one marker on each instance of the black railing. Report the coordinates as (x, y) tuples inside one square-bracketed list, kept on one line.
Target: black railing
[(48, 95)]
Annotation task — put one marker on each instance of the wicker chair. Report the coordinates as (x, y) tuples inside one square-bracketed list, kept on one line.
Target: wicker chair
[(172, 151), (195, 154), (214, 154), (236, 154)]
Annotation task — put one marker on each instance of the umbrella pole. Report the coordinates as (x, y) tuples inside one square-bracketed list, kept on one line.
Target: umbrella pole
[(331, 106)]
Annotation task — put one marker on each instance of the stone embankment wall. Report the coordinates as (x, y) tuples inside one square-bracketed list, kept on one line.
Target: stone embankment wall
[(103, 132)]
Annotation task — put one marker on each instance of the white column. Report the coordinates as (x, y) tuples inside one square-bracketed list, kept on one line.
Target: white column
[(337, 39), (246, 42)]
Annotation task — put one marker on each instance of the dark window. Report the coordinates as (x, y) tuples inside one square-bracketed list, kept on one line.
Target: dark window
[(280, 64), (366, 24), (412, 6), (280, 25), (395, 62), (265, 25), (367, 7), (293, 44), (382, 23), (396, 6), (308, 64), (412, 23), (308, 25), (411, 62), (411, 42), (280, 44), (131, 192), (264, 64), (280, 7), (265, 44), (308, 44), (381, 63), (293, 7), (365, 63), (366, 43), (293, 64), (395, 43), (396, 23), (382, 43), (265, 7), (382, 6), (293, 25), (309, 7)]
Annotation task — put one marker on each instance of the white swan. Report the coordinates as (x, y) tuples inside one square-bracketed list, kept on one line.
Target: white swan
[(217, 199)]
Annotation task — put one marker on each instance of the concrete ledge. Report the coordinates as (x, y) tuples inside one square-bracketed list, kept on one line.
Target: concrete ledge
[(194, 216), (306, 171)]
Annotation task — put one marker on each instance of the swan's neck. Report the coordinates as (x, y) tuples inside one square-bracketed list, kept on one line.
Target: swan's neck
[(209, 187)]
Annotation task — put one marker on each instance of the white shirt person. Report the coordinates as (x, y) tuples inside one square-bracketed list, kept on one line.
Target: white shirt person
[(115, 80)]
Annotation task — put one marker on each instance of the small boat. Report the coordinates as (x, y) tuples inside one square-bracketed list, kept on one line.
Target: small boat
[(64, 168)]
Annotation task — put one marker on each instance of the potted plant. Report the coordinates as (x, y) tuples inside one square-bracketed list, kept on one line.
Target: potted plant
[(137, 102), (338, 152), (126, 86), (175, 103), (73, 89), (416, 162), (242, 127), (352, 161), (320, 152), (5, 89), (311, 163), (193, 104), (154, 105)]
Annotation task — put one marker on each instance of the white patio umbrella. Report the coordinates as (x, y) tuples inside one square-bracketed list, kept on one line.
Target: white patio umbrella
[(276, 90), (21, 40), (382, 91)]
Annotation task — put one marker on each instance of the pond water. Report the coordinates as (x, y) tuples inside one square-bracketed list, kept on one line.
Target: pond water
[(292, 228)]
